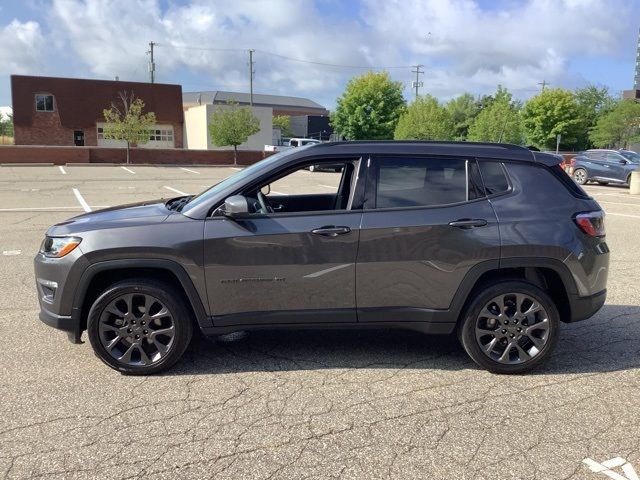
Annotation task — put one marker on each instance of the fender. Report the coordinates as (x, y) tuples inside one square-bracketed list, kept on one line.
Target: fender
[(163, 264), (473, 275)]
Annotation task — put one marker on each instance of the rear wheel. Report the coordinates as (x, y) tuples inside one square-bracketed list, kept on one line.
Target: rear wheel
[(139, 326), (580, 176), (510, 327), (629, 180)]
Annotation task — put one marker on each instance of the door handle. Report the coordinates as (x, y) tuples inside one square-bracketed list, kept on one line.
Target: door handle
[(278, 208), (330, 231), (468, 223)]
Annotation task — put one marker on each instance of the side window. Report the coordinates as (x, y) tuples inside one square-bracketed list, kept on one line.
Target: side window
[(614, 158), (413, 182), (44, 103), (494, 177)]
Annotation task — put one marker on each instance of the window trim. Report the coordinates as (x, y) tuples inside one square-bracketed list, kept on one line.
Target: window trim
[(504, 171), (53, 102), (357, 201), (370, 203)]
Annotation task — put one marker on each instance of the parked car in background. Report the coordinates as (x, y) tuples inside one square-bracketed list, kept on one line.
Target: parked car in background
[(604, 166), (494, 242)]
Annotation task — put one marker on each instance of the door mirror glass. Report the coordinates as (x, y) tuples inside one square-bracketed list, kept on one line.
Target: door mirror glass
[(234, 206)]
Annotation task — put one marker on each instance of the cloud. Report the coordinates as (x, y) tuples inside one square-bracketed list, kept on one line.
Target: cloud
[(465, 45), (21, 50)]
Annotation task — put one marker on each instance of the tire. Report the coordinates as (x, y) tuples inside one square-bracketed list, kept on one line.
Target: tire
[(629, 181), (473, 323), (580, 176), (150, 331)]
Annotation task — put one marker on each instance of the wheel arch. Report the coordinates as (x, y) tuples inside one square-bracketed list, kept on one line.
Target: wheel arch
[(98, 276), (550, 275)]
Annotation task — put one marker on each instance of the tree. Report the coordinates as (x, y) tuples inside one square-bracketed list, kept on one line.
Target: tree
[(594, 102), (369, 108), (232, 125), (125, 121), (498, 121), (425, 119), (283, 122), (554, 111), (619, 127), (6, 127), (463, 111)]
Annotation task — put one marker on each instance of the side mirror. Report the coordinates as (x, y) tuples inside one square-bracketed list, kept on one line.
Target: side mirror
[(623, 162), (235, 205)]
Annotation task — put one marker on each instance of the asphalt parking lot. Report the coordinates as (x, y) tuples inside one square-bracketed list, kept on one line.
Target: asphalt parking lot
[(366, 405)]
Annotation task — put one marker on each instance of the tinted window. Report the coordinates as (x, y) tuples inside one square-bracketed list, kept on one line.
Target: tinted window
[(494, 178), (420, 182), (614, 157)]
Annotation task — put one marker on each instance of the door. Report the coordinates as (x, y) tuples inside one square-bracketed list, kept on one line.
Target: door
[(617, 166), (295, 264), (425, 225), (78, 138)]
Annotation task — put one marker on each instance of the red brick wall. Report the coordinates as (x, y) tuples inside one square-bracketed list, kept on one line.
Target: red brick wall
[(62, 155), (45, 130)]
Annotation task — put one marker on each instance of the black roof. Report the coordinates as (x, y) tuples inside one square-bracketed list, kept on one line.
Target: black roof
[(499, 151)]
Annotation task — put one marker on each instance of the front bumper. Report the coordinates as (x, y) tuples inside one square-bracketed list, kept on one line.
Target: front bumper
[(56, 283), (586, 307), (62, 322)]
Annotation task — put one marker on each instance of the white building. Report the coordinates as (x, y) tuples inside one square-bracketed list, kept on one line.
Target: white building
[(196, 128)]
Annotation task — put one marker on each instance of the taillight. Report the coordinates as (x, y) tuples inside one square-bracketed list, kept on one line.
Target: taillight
[(591, 223)]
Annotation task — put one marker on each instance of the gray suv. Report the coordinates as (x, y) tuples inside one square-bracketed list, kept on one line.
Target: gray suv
[(491, 241)]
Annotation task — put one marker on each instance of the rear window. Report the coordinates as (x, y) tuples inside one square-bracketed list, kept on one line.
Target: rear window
[(413, 182), (494, 177), (575, 189)]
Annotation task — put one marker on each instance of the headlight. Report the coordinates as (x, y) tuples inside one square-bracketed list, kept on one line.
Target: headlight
[(57, 247)]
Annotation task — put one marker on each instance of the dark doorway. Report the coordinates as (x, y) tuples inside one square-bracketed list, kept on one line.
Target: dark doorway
[(78, 138)]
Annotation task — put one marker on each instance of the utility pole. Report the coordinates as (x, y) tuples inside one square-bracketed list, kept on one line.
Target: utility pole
[(417, 84), (152, 64), (251, 73), (543, 83)]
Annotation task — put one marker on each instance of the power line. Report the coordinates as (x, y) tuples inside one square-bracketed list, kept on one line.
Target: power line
[(251, 74), (544, 84), (284, 57), (152, 64), (417, 84)]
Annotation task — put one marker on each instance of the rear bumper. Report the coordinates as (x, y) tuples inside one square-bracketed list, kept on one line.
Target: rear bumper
[(586, 307)]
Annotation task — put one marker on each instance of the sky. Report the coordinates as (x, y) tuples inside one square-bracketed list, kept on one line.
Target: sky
[(312, 48)]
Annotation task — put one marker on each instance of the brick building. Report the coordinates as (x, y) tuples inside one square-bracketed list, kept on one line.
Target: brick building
[(69, 111)]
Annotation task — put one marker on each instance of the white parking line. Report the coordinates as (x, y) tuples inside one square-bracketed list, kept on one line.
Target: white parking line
[(62, 170), (175, 190), (189, 170), (327, 186), (128, 170), (235, 168), (46, 209), (279, 193), (83, 203), (620, 203), (623, 215)]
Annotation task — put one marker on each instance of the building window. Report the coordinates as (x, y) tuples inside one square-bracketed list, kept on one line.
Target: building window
[(44, 103), (100, 133), (161, 135)]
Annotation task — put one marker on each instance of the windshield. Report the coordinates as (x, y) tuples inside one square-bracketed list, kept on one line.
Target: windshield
[(237, 177), (631, 156)]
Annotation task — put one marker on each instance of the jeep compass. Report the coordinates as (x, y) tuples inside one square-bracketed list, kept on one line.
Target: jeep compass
[(493, 242)]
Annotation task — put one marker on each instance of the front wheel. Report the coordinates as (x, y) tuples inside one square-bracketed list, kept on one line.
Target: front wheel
[(580, 176), (139, 326), (510, 327)]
